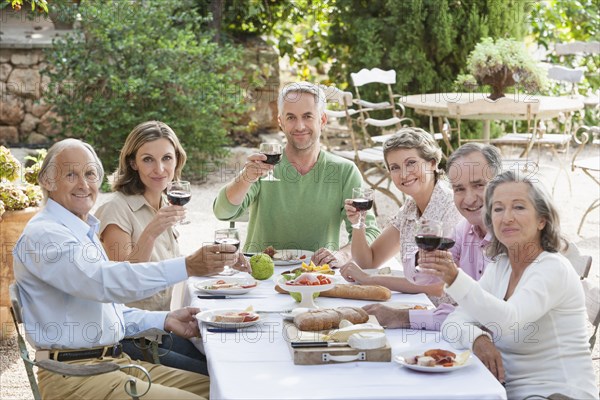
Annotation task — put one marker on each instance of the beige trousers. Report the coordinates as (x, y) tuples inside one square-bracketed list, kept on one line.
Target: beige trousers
[(167, 383)]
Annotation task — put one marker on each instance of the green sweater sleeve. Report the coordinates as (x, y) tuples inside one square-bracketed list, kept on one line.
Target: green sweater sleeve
[(225, 211)]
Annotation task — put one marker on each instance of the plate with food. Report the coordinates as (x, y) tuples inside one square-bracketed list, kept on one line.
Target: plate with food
[(307, 284), (229, 318), (434, 360), (283, 257), (227, 285)]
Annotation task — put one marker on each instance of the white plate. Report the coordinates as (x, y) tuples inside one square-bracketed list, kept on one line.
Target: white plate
[(208, 318), (401, 359), (289, 316), (229, 291), (281, 257)]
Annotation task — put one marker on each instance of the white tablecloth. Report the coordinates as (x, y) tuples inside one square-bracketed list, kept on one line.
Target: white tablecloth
[(256, 363)]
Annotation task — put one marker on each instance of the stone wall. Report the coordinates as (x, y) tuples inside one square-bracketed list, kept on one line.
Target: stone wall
[(24, 117)]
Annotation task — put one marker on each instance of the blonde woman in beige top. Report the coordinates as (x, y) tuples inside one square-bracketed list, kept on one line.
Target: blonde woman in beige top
[(137, 222)]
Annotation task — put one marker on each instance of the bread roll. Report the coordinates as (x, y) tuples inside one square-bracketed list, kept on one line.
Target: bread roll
[(355, 315), (325, 319), (359, 292)]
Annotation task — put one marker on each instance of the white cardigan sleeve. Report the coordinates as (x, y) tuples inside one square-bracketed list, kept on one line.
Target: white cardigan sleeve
[(538, 291)]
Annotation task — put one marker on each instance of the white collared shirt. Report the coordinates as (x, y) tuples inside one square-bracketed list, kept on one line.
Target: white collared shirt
[(71, 294)]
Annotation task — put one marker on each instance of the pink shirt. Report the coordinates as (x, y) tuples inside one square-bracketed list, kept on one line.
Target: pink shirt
[(469, 249), (469, 254)]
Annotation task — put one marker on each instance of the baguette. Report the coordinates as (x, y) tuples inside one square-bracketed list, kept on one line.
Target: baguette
[(325, 319), (359, 292)]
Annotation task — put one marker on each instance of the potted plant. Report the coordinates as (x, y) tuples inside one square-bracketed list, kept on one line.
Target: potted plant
[(19, 201), (501, 64)]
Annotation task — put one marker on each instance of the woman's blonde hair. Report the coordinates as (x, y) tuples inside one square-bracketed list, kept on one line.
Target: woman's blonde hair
[(550, 239), (127, 180), (414, 138)]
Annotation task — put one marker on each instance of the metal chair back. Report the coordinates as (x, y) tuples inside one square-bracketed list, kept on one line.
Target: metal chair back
[(62, 368)]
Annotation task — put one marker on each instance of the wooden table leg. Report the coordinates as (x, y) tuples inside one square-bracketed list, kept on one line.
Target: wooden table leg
[(486, 131)]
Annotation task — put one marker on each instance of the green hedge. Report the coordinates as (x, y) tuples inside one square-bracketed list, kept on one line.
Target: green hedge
[(138, 61)]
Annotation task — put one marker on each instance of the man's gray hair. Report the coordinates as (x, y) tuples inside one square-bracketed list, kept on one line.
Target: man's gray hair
[(292, 92), (490, 153), (54, 151)]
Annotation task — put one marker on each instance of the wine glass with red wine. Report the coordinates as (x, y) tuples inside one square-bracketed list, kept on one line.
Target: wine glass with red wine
[(448, 234), (428, 234), (273, 152), (179, 193), (228, 236), (362, 200)]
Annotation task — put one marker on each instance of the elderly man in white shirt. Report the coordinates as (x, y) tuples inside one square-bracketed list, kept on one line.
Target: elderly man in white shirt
[(72, 294)]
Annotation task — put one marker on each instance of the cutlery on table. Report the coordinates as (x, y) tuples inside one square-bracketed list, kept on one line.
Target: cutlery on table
[(222, 330), (273, 311), (224, 296), (304, 345)]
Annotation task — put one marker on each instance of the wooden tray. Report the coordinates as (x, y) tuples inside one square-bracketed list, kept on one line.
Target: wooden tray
[(329, 355)]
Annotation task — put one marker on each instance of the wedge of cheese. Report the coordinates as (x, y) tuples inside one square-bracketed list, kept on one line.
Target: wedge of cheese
[(344, 333)]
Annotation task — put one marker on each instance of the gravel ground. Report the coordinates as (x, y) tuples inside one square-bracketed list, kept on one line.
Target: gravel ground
[(13, 379)]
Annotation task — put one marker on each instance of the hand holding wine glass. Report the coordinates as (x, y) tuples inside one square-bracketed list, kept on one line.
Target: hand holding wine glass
[(179, 193), (228, 236), (273, 152), (362, 200)]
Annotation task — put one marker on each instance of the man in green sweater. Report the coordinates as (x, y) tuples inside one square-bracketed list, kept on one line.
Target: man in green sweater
[(305, 208)]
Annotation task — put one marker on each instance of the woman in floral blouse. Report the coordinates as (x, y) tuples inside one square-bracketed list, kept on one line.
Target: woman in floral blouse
[(412, 157)]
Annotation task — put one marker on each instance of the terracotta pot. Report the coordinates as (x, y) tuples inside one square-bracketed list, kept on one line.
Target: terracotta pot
[(63, 13), (61, 21), (11, 226), (499, 82)]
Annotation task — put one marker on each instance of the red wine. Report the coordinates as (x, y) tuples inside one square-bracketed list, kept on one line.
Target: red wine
[(272, 158), (179, 197), (446, 244), (362, 204), (233, 241), (428, 242)]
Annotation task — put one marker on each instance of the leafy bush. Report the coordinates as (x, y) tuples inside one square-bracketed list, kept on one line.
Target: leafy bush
[(138, 61), (299, 28), (427, 42), (562, 21)]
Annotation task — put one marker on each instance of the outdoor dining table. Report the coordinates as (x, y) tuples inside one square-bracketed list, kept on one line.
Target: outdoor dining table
[(256, 362), (436, 105)]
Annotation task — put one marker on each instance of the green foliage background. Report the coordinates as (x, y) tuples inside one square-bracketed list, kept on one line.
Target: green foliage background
[(426, 41), (178, 60), (563, 21), (139, 61)]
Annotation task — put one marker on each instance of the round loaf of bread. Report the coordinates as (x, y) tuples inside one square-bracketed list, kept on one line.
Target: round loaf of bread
[(325, 319), (355, 315), (317, 320)]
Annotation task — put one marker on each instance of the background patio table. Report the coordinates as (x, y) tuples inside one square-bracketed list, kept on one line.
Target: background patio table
[(256, 363), (436, 105)]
